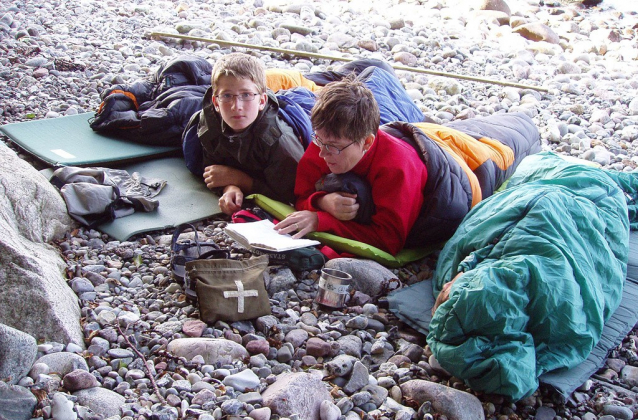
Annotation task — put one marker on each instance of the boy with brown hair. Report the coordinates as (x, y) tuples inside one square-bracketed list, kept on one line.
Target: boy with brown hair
[(247, 147), (347, 139)]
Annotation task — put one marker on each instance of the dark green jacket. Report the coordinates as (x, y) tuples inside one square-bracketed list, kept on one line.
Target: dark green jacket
[(268, 150)]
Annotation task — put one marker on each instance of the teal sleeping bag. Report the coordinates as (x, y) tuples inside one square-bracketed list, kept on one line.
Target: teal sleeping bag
[(543, 265)]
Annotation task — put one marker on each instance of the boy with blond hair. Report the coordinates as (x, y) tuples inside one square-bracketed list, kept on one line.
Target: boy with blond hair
[(247, 147)]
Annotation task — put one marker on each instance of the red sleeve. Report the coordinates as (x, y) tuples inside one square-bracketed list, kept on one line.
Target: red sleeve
[(398, 199)]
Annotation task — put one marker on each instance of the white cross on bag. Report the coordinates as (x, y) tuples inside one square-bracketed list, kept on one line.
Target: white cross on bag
[(240, 294)]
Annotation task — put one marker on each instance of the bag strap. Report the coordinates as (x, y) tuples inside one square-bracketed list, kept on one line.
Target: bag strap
[(215, 254), (178, 231)]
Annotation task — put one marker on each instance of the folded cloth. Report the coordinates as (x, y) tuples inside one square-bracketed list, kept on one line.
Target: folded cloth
[(97, 195)]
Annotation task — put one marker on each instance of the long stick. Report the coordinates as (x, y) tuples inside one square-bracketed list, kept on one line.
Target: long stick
[(148, 370), (329, 57)]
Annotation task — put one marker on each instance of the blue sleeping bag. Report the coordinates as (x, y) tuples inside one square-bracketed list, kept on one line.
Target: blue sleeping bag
[(394, 102)]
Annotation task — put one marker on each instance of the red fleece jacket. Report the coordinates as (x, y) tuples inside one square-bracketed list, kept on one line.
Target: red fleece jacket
[(397, 177)]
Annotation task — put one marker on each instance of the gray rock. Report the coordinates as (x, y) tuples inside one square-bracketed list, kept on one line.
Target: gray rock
[(81, 285), (297, 337), (18, 351), (118, 353), (265, 324), (368, 276), (405, 58), (329, 411), (445, 400), (536, 31), (630, 375), (35, 297), (280, 281), (204, 396), (16, 402), (351, 345), (619, 413), (252, 397), (377, 393), (449, 86), (340, 365), (297, 393), (497, 5), (342, 40), (232, 407), (102, 401), (358, 378), (36, 62), (246, 379), (62, 407), (63, 362), (79, 379), (213, 350), (545, 413), (297, 29)]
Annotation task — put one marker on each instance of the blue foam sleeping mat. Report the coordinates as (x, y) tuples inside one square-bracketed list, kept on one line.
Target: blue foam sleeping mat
[(70, 141)]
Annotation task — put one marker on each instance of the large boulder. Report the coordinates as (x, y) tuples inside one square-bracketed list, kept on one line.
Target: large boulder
[(30, 205), (18, 351), (35, 298)]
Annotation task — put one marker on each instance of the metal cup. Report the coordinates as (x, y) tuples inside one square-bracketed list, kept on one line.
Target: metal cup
[(334, 286)]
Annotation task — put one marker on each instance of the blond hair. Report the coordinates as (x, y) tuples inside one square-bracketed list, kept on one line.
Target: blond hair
[(240, 66), (346, 109)]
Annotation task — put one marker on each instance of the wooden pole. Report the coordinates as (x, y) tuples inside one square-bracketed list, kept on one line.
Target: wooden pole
[(333, 58)]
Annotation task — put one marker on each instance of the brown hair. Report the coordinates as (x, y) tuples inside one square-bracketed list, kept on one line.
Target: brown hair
[(241, 66), (346, 109)]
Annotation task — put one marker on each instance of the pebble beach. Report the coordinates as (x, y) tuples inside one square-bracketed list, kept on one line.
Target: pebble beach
[(575, 73)]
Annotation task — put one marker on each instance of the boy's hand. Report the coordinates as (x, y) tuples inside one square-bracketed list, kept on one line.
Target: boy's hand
[(231, 200), (216, 176), (341, 205), (298, 223)]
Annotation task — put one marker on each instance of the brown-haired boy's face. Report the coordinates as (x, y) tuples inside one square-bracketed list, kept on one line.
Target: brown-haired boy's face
[(237, 113), (349, 155)]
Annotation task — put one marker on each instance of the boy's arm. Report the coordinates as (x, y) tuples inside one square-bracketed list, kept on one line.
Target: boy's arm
[(219, 176)]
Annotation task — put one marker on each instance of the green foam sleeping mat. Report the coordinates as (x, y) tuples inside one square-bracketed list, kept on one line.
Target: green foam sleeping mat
[(70, 141), (280, 210), (184, 199)]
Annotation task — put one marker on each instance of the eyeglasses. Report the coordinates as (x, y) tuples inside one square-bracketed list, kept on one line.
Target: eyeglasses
[(244, 97), (333, 150)]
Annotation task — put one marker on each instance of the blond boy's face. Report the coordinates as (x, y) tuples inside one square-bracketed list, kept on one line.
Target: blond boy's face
[(237, 113)]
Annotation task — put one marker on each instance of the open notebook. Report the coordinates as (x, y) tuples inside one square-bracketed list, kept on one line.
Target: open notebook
[(262, 235)]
